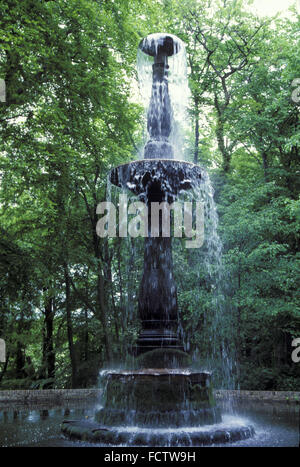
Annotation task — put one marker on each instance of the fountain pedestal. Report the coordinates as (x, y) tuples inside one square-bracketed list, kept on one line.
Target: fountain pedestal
[(157, 180)]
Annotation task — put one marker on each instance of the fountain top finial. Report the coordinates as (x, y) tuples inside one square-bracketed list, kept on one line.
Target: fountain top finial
[(160, 44)]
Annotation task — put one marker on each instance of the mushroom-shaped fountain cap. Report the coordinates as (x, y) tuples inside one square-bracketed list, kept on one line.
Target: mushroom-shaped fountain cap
[(160, 44)]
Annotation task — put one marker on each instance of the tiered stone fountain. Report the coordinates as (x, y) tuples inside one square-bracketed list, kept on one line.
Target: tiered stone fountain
[(162, 401)]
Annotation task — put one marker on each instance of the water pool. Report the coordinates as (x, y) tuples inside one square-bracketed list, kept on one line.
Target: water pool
[(38, 425)]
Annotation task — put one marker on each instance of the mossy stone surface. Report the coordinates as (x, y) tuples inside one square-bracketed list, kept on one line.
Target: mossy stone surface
[(158, 398), (164, 358), (158, 390), (156, 419)]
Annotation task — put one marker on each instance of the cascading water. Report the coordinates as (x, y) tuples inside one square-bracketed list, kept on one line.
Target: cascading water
[(172, 88), (162, 400), (207, 263)]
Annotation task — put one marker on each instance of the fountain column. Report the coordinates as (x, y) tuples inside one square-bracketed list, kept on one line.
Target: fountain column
[(157, 302)]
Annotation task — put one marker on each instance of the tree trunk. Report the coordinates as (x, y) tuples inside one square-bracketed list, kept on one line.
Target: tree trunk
[(238, 332), (4, 368), (20, 354), (70, 329), (20, 361), (196, 153), (100, 297), (221, 145), (265, 166), (86, 336), (48, 350), (102, 312)]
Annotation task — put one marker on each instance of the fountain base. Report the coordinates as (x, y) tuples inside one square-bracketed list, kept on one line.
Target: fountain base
[(157, 407)]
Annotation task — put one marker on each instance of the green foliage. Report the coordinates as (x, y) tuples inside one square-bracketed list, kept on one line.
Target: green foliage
[(68, 300)]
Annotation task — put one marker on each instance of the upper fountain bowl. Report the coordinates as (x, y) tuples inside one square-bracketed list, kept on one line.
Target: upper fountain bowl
[(156, 179), (161, 44)]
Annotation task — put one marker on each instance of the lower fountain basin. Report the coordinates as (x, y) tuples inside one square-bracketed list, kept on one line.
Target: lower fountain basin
[(205, 436), (157, 407)]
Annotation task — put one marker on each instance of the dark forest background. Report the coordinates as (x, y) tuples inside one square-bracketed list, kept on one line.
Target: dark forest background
[(68, 297)]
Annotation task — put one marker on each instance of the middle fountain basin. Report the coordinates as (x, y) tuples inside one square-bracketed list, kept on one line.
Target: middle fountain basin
[(168, 177)]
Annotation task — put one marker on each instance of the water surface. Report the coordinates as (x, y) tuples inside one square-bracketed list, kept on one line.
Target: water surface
[(276, 424)]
